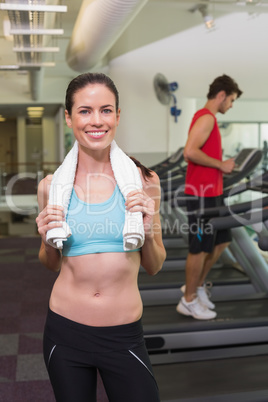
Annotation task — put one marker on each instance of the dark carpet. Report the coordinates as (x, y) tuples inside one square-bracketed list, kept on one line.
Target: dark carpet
[(25, 286)]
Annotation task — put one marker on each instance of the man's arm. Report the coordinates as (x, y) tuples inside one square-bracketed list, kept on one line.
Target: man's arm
[(196, 139)]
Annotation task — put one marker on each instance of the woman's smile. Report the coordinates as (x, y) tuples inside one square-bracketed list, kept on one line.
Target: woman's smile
[(96, 134)]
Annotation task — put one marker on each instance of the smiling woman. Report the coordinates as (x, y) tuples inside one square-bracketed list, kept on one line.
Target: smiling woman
[(95, 305), (94, 114)]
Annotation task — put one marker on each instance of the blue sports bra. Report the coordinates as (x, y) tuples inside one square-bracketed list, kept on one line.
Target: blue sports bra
[(96, 228)]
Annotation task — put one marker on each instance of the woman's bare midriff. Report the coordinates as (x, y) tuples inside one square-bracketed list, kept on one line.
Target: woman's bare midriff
[(98, 289)]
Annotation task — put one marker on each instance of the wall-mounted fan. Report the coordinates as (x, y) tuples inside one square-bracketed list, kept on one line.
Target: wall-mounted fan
[(164, 93)]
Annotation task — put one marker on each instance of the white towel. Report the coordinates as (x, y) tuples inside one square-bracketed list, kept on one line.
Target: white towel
[(127, 177)]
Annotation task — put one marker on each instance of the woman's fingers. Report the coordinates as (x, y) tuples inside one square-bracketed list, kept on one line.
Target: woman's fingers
[(139, 201), (50, 217)]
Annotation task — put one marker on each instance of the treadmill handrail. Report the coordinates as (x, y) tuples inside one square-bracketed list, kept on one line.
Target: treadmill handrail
[(174, 185), (229, 180), (232, 209), (260, 182), (234, 221)]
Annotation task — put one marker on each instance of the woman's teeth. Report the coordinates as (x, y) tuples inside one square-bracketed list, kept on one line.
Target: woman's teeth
[(96, 134)]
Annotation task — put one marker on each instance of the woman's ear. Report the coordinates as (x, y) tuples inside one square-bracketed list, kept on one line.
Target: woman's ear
[(68, 119), (118, 116)]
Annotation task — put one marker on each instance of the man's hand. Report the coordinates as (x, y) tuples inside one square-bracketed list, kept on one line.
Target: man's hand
[(227, 166)]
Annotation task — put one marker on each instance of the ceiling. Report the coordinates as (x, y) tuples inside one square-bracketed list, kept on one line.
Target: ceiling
[(157, 19)]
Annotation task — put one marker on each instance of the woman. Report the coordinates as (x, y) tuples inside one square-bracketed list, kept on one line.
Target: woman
[(95, 308)]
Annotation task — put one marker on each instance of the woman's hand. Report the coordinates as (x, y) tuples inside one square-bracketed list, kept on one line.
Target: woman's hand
[(50, 217), (139, 201)]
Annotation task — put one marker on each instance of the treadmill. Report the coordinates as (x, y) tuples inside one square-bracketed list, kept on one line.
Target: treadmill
[(173, 162), (186, 353), (172, 276), (246, 161), (225, 359), (166, 330), (230, 276)]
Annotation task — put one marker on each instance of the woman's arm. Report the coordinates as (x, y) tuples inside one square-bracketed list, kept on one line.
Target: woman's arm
[(153, 252), (48, 255)]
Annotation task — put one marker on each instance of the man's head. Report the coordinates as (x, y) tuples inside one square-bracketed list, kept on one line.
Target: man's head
[(226, 84), (223, 92)]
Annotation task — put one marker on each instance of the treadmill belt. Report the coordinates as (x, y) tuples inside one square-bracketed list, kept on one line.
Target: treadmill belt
[(208, 379), (160, 319), (177, 253), (175, 278)]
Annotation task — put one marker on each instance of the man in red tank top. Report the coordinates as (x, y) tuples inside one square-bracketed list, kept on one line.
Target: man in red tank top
[(204, 188)]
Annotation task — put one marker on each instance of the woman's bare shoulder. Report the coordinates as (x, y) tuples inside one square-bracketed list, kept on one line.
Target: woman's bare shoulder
[(43, 190), (45, 183)]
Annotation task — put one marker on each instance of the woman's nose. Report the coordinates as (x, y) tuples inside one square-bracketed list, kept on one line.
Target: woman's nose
[(96, 118)]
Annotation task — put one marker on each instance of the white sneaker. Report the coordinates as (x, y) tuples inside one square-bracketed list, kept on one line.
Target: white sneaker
[(203, 294), (195, 309)]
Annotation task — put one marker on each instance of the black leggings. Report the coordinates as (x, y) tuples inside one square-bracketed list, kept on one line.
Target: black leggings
[(73, 352)]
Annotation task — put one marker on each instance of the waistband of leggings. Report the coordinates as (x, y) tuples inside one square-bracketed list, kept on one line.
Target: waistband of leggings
[(64, 331)]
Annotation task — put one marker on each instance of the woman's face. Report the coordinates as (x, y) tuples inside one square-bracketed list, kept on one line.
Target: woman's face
[(94, 118)]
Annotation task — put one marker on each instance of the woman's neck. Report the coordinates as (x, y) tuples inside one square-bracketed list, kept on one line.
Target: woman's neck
[(94, 161)]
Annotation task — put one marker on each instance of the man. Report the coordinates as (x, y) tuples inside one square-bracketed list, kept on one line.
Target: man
[(204, 188)]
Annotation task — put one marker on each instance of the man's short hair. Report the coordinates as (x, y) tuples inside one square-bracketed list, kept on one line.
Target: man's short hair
[(223, 83)]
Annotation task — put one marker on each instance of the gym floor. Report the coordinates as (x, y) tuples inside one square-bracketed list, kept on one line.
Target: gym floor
[(25, 286)]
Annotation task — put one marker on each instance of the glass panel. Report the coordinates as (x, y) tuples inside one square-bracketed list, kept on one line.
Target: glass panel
[(236, 136), (264, 144)]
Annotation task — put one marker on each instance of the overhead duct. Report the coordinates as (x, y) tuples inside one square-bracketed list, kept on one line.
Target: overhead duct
[(98, 25), (31, 25), (36, 82)]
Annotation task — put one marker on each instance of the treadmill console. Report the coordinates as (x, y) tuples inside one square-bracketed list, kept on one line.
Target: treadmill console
[(243, 158), (177, 156)]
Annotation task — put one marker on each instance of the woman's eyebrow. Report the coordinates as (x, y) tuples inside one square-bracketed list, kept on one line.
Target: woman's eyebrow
[(84, 107), (107, 106), (90, 107)]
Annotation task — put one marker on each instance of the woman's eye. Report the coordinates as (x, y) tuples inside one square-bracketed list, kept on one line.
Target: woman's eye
[(107, 111), (83, 111)]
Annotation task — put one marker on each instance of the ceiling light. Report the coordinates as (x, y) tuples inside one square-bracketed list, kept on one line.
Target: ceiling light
[(248, 2), (36, 49), (36, 31), (27, 66), (208, 19), (256, 3), (33, 108), (33, 7), (6, 29), (35, 111), (42, 64), (35, 114), (209, 22), (9, 67)]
